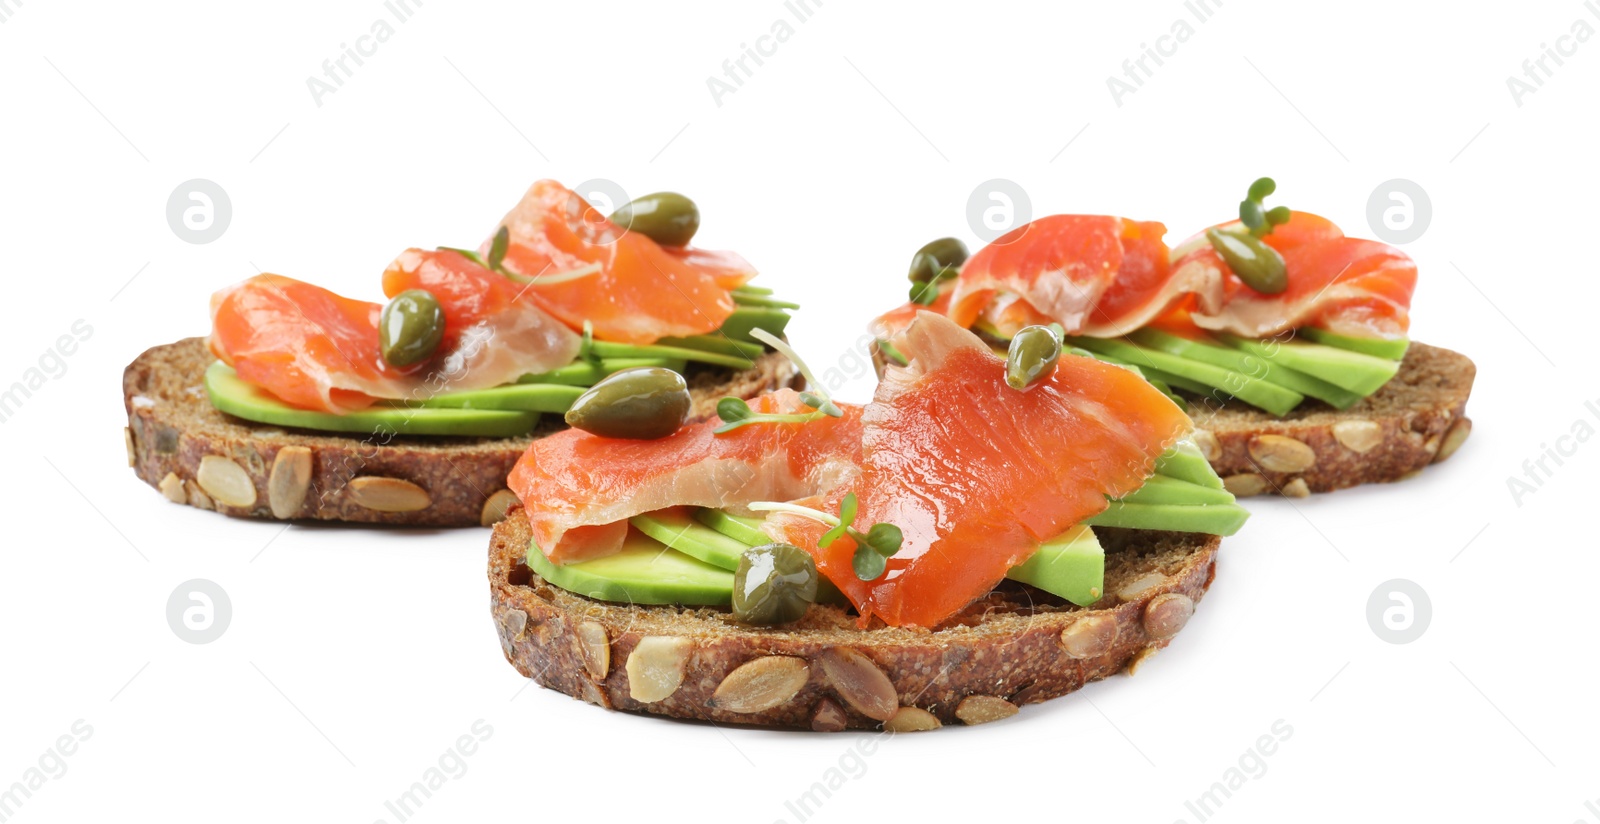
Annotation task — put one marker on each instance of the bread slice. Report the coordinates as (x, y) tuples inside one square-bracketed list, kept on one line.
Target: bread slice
[(180, 444), (1017, 646), (1416, 419)]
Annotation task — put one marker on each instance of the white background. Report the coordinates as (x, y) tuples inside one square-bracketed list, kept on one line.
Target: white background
[(357, 657)]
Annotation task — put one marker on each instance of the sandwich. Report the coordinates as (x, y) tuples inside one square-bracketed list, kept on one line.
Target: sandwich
[(986, 532), (304, 404), (1287, 340)]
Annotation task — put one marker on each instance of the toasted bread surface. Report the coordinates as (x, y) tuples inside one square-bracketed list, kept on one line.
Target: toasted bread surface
[(1017, 646), (180, 444)]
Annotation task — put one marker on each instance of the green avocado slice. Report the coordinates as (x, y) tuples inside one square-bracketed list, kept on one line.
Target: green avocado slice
[(1211, 519), (746, 530), (746, 318), (1207, 351), (1394, 349), (587, 373), (644, 572), (1161, 489), (240, 398), (678, 529), (715, 342), (1251, 390), (528, 397), (1071, 565), (1360, 373), (1184, 461)]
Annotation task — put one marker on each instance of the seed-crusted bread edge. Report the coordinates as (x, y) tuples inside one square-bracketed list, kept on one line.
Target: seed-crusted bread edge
[(181, 445), (1416, 419), (824, 673)]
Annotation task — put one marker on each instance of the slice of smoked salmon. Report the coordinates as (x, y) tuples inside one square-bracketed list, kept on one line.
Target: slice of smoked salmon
[(317, 350), (304, 344), (638, 292), (1355, 287), (575, 484), (975, 474), (1060, 264), (729, 269)]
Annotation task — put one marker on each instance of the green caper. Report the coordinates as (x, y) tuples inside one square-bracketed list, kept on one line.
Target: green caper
[(1257, 264), (774, 584), (410, 328), (935, 257), (667, 218), (1262, 188), (643, 404), (1032, 357)]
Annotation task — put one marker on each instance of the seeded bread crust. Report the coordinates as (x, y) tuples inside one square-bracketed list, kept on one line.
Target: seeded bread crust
[(1418, 418), (1017, 646), (180, 444)]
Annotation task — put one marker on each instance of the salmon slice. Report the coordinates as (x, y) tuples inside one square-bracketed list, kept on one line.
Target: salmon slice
[(1355, 287), (1060, 265), (637, 292), (1150, 284), (575, 485), (976, 474), (317, 350), (729, 269)]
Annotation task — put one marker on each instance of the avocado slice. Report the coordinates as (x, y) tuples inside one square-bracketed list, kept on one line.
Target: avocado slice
[(743, 298), (716, 342), (1360, 373), (1251, 390), (588, 373), (678, 529), (528, 397), (1207, 351), (1394, 349), (240, 398), (746, 318), (1212, 519), (1161, 489), (1184, 461), (608, 349), (1071, 565), (745, 530), (644, 572)]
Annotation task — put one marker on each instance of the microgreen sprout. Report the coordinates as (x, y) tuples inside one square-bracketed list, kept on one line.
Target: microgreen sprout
[(497, 248), (735, 412), (586, 349), (873, 547), (1253, 211)]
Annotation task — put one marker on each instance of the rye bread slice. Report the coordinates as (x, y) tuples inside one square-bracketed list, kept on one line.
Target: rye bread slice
[(180, 444), (1418, 418), (1017, 646)]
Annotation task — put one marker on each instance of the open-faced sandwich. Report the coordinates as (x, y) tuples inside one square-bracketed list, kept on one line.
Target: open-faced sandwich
[(987, 532), (1287, 338), (306, 404)]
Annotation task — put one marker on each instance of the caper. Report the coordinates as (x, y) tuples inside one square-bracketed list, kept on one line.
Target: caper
[(1257, 264), (410, 328), (774, 584), (1262, 188), (1032, 357), (667, 218), (643, 404), (935, 257)]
